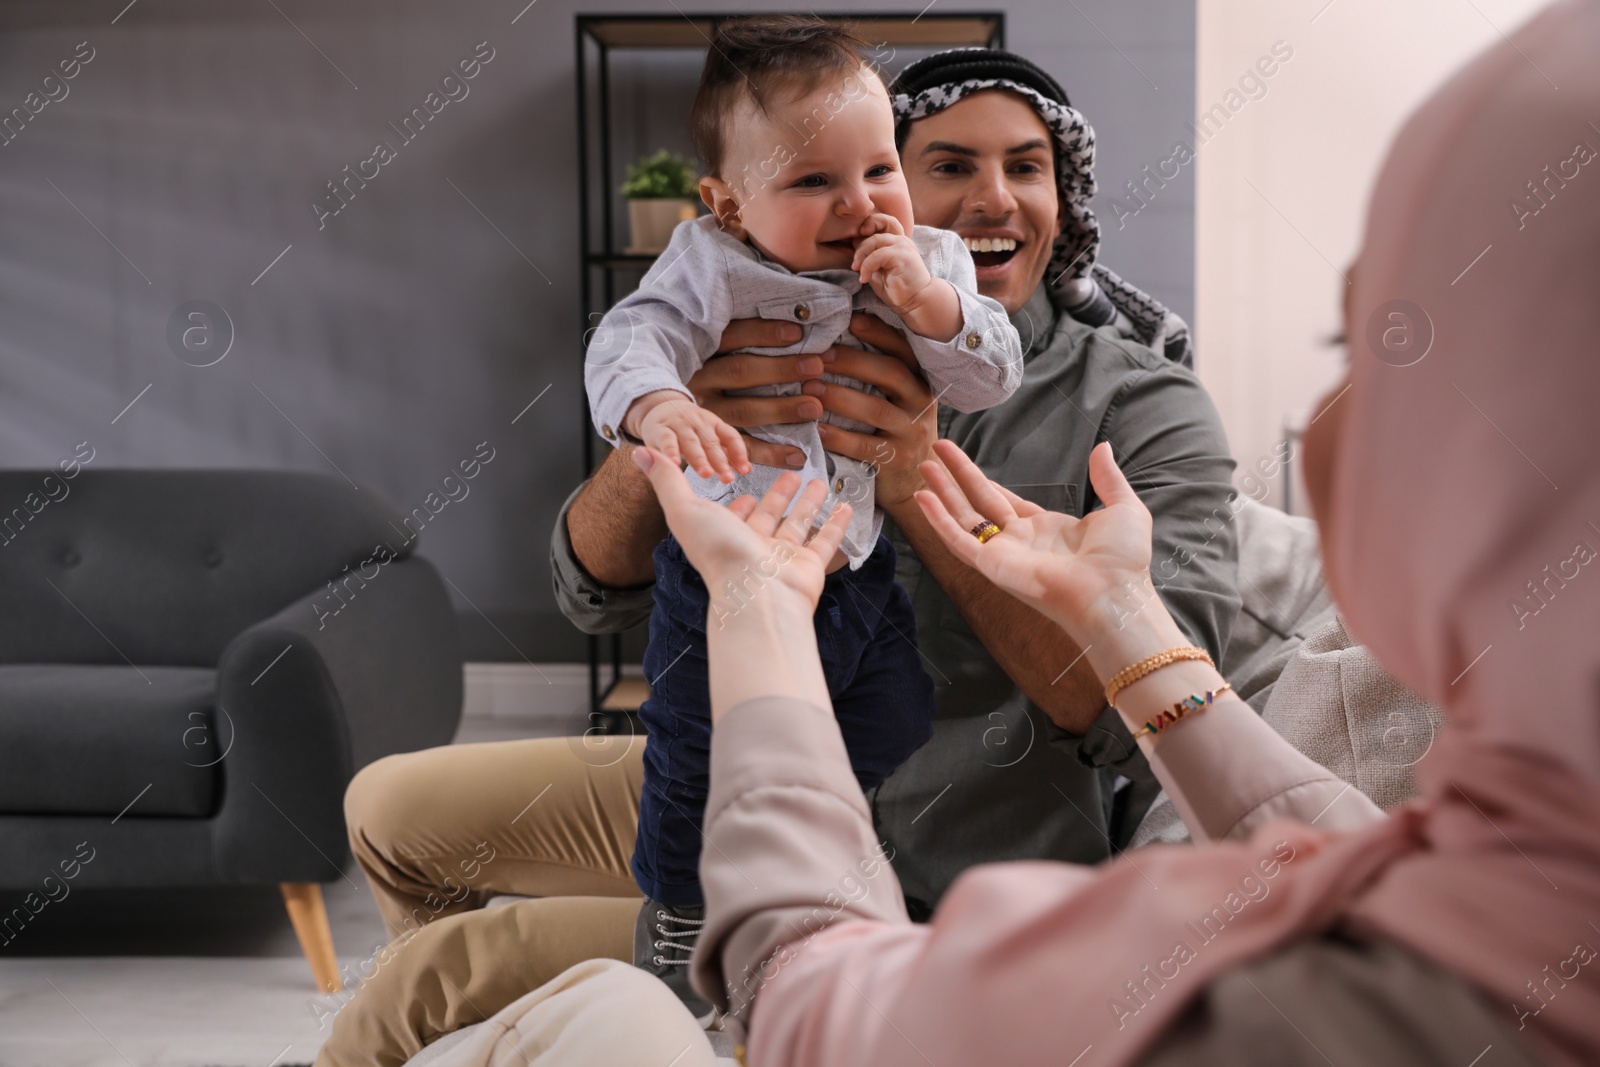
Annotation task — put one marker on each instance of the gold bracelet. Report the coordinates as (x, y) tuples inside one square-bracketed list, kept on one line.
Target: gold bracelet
[(1128, 675), (1181, 710)]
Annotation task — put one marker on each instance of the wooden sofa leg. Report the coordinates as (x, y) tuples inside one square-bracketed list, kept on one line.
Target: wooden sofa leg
[(310, 919)]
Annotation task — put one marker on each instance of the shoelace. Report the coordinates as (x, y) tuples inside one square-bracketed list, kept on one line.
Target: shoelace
[(681, 940)]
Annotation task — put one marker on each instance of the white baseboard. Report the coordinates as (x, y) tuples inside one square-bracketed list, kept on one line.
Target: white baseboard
[(552, 691)]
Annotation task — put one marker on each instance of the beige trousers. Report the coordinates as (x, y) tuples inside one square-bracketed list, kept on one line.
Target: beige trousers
[(572, 1021), (437, 833)]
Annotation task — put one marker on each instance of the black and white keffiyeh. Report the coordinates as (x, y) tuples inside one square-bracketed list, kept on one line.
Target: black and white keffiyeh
[(1091, 291)]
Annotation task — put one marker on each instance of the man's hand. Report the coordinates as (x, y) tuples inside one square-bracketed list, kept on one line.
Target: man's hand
[(906, 415), (730, 368)]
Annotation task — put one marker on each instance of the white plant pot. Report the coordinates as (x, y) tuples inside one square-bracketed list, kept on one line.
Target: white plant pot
[(650, 223)]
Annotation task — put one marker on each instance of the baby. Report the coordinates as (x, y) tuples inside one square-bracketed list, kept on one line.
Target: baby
[(811, 221)]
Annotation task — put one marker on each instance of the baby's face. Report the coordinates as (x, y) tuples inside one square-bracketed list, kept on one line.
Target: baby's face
[(807, 175)]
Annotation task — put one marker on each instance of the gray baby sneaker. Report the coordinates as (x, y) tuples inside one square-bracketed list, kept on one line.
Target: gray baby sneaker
[(663, 936)]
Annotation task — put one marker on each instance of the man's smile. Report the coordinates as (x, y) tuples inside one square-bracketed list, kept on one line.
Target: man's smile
[(992, 250)]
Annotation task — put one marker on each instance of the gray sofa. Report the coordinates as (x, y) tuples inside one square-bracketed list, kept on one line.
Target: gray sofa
[(193, 664)]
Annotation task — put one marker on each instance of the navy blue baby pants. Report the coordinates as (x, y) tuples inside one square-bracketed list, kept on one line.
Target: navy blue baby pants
[(883, 700)]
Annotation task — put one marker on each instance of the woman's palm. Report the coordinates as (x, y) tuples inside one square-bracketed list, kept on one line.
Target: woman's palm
[(734, 544), (1057, 564), (750, 545)]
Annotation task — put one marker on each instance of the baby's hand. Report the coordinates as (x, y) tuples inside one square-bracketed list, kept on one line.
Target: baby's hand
[(889, 262), (675, 426)]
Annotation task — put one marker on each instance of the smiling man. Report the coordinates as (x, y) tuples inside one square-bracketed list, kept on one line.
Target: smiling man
[(1024, 753)]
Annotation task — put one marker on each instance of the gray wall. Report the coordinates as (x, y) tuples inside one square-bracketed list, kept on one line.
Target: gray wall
[(415, 324)]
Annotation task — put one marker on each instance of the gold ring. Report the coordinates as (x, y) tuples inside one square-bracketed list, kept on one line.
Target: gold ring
[(984, 530)]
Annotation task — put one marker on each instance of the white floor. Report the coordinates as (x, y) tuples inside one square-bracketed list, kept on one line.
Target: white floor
[(184, 979)]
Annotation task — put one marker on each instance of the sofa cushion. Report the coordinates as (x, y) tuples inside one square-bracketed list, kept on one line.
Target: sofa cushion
[(168, 566), (88, 740)]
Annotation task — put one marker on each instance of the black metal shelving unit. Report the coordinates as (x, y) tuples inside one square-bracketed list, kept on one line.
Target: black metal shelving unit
[(612, 698)]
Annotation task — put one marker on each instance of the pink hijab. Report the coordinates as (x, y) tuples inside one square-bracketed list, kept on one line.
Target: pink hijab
[(1466, 520), (1465, 527)]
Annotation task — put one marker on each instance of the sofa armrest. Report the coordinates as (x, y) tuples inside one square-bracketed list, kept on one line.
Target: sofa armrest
[(316, 692)]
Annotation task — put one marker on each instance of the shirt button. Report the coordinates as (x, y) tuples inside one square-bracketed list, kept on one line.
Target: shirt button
[(608, 433), (802, 312), (838, 485), (974, 340)]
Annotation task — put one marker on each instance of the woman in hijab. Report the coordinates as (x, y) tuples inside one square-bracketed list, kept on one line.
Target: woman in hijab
[(1460, 512)]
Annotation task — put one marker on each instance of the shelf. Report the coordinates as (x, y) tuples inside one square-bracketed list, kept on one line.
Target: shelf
[(660, 31), (950, 32), (695, 31), (620, 261), (628, 694)]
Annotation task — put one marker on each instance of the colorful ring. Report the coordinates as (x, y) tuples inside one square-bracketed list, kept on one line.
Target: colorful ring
[(984, 530)]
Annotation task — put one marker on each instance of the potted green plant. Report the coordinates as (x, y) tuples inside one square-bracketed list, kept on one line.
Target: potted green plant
[(660, 191)]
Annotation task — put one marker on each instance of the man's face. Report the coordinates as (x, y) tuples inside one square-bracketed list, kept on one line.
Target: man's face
[(985, 168)]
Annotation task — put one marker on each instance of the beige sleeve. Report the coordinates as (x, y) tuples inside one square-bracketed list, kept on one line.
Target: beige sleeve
[(1228, 772), (790, 848)]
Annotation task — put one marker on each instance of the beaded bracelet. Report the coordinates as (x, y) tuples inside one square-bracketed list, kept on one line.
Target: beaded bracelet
[(1128, 675), (1181, 710)]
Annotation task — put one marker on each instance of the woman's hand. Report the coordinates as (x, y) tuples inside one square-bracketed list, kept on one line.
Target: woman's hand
[(749, 545), (1090, 576)]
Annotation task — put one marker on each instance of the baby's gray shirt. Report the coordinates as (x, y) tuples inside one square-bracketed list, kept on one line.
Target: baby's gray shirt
[(658, 336)]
